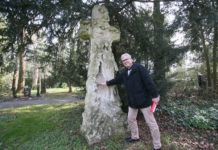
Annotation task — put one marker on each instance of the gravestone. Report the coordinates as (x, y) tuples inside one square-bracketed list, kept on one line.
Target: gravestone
[(27, 91), (103, 116)]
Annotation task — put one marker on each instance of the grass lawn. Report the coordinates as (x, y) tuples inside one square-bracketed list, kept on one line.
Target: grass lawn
[(54, 127), (42, 127), (51, 93), (57, 127), (62, 93)]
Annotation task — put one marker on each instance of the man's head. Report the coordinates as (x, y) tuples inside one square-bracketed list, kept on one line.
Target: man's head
[(127, 60)]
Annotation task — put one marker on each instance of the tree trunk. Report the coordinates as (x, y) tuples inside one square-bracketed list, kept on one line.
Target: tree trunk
[(13, 84), (38, 86), (21, 80), (15, 78), (43, 89), (15, 75), (17, 72), (214, 58), (70, 87), (159, 56), (206, 56), (43, 85), (22, 69), (35, 75)]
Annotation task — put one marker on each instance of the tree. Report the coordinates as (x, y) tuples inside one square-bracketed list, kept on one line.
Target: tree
[(25, 18), (144, 33), (20, 17), (147, 37), (200, 24), (215, 43)]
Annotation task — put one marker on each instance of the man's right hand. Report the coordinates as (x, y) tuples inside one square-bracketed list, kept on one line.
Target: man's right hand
[(102, 84)]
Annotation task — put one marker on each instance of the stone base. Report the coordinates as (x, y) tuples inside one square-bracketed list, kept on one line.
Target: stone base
[(102, 120)]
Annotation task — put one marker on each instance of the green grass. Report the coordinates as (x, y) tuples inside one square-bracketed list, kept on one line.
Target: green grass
[(62, 92), (58, 90), (38, 127), (55, 126)]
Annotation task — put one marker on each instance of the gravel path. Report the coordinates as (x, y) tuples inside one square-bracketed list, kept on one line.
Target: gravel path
[(19, 103)]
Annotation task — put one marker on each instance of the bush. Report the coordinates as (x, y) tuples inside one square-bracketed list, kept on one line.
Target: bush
[(3, 88), (193, 113), (64, 85)]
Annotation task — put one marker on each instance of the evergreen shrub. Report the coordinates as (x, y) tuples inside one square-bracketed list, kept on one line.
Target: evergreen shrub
[(191, 112)]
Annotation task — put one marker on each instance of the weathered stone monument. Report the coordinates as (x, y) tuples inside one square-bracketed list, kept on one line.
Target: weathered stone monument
[(103, 116)]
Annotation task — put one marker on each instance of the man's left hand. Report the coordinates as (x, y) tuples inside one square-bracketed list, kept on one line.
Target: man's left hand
[(156, 100)]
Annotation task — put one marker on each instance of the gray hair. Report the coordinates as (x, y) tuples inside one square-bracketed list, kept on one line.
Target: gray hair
[(125, 54)]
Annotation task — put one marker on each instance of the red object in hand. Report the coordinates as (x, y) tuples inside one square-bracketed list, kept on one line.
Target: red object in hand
[(153, 107)]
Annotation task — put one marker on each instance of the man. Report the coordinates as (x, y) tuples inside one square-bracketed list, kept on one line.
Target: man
[(141, 91)]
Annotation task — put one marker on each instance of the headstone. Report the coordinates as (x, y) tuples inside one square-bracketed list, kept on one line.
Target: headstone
[(103, 116), (27, 91), (201, 81)]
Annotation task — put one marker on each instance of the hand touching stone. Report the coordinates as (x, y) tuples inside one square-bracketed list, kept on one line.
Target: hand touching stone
[(102, 84)]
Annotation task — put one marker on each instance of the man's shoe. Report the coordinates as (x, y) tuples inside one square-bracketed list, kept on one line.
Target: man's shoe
[(130, 140), (157, 149)]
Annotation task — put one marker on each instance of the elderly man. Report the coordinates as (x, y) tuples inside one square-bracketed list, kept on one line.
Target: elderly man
[(141, 91)]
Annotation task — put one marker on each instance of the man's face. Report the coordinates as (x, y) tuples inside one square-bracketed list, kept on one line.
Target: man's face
[(127, 61)]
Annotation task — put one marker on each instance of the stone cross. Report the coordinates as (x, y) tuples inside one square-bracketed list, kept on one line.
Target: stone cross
[(103, 116)]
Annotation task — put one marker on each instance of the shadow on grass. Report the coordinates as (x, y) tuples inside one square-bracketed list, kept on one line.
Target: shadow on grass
[(41, 126), (55, 126)]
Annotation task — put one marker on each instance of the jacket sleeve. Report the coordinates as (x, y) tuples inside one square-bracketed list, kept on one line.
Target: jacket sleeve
[(148, 82), (117, 80)]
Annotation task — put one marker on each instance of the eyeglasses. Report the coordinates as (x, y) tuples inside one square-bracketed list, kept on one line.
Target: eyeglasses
[(125, 59)]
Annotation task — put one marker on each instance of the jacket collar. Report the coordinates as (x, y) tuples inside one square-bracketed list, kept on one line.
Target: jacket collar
[(133, 69)]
